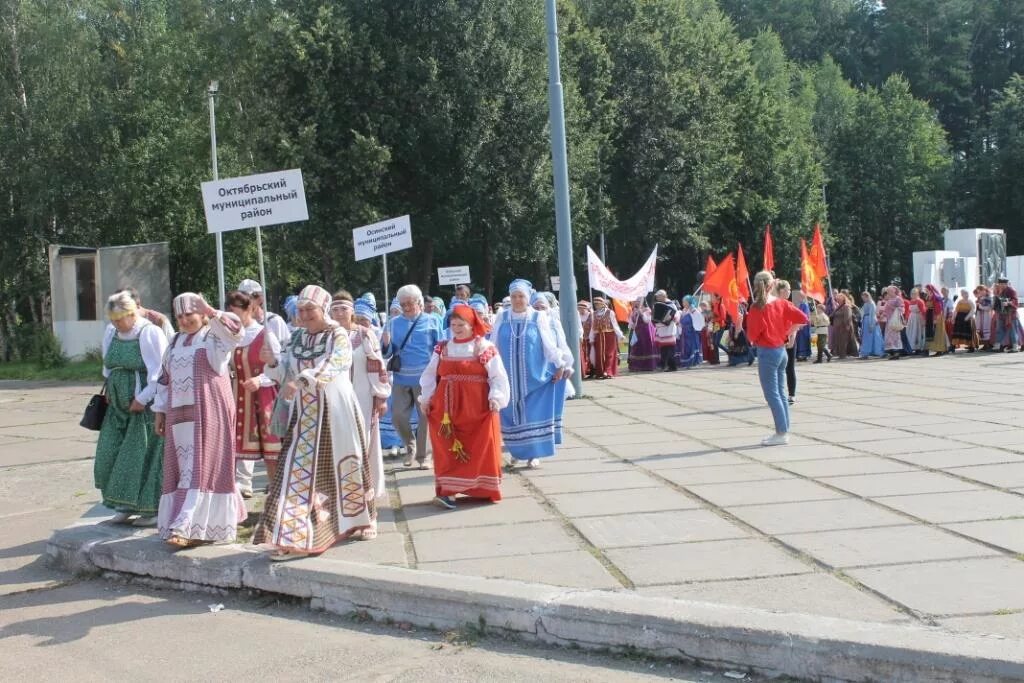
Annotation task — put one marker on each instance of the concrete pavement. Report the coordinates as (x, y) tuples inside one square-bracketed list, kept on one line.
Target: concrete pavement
[(108, 631), (900, 499)]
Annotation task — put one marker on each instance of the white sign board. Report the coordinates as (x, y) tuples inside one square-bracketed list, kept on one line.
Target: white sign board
[(255, 200), (555, 283), (394, 234), (455, 275)]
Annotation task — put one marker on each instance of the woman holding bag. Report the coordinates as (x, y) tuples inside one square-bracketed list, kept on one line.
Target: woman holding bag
[(129, 453)]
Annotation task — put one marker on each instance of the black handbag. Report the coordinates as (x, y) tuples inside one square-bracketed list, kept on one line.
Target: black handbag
[(95, 411), (395, 362)]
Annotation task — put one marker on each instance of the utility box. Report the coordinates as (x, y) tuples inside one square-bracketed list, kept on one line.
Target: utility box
[(82, 278)]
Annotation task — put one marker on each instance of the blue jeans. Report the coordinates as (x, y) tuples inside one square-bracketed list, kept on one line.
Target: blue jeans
[(771, 370)]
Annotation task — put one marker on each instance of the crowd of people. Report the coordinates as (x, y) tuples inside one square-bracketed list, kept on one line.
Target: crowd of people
[(320, 397), (190, 412)]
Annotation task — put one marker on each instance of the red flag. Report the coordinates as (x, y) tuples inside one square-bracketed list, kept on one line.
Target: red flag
[(709, 267), (723, 283), (818, 253), (621, 310), (810, 277), (742, 274), (769, 248)]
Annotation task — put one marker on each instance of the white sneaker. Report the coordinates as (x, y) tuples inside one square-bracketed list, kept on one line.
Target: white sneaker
[(121, 518), (145, 522), (532, 464), (775, 440)]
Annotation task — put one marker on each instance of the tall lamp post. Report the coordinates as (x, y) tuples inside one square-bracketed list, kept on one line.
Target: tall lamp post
[(563, 219), (211, 93)]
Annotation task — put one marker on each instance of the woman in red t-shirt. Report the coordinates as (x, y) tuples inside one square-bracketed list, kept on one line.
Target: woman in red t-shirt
[(770, 321)]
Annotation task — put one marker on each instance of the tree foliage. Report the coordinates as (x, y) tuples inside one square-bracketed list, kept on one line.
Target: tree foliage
[(690, 123)]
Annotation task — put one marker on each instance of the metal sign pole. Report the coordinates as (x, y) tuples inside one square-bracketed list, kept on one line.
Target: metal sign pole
[(212, 93), (263, 274), (387, 294)]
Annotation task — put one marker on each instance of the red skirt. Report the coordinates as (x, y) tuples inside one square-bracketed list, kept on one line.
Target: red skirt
[(467, 445), (606, 354)]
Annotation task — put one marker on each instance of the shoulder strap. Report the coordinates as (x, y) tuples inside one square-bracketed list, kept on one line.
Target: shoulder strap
[(408, 334)]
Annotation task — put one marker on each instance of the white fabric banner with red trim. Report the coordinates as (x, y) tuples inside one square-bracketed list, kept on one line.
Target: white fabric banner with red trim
[(632, 289)]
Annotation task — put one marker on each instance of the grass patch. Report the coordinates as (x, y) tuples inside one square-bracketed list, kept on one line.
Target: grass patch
[(78, 371)]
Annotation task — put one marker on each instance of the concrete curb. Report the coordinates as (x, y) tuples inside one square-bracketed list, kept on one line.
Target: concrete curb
[(802, 646)]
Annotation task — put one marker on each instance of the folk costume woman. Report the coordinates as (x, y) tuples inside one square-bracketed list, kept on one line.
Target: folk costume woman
[(540, 301), (964, 331), (370, 382), (692, 323), (604, 341), (642, 355), (984, 315), (321, 493), (891, 317), (916, 311), (129, 454), (871, 342), (254, 396), (939, 342), (803, 337), (586, 322), (535, 365), (461, 392), (844, 340), (195, 412)]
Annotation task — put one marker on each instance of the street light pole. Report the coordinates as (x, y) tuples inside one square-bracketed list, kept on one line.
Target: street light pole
[(563, 219), (211, 93)]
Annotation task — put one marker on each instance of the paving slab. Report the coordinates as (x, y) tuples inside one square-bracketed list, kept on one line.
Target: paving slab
[(1005, 476), (437, 545), (573, 568), (792, 453), (654, 528), (908, 444), (470, 513), (599, 463), (960, 506), (386, 549), (836, 467), (815, 593), (960, 587), (821, 515), (959, 455), (758, 492), (604, 481), (707, 561), (1002, 625), (723, 474), (899, 483), (601, 503), (886, 545), (1005, 533), (704, 457)]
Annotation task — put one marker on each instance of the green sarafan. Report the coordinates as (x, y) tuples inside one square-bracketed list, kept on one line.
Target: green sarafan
[(690, 124)]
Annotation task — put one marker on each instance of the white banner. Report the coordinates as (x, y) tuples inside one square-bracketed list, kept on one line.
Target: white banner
[(454, 275), (632, 289), (255, 200), (394, 234)]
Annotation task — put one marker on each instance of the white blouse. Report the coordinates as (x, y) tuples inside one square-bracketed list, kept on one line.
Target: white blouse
[(152, 344), (497, 378), (219, 339), (249, 335)]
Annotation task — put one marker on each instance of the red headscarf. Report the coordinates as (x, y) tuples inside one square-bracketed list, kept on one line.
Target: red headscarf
[(480, 328)]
